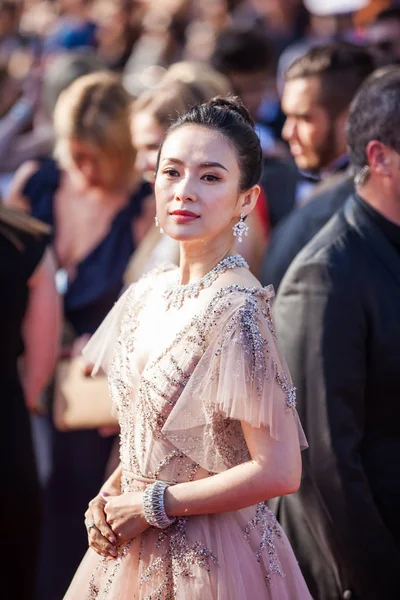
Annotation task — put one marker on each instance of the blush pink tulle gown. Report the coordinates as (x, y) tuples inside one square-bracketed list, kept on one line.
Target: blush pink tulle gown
[(181, 381)]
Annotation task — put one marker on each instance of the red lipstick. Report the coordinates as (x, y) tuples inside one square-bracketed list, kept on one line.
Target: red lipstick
[(183, 216)]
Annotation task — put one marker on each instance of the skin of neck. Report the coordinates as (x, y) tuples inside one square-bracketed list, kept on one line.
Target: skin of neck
[(198, 257), (380, 194)]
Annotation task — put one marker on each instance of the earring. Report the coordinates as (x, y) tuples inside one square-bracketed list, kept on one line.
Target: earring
[(157, 222), (362, 176), (240, 229)]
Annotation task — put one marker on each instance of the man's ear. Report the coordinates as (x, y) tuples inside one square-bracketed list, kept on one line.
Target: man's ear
[(378, 156)]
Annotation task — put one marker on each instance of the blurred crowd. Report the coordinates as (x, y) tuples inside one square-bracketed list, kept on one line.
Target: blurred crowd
[(88, 89)]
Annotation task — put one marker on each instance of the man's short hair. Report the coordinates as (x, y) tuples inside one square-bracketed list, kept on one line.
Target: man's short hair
[(340, 66), (374, 115), (243, 50)]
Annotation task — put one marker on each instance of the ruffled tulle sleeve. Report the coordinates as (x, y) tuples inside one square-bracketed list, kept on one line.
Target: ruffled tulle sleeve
[(100, 349), (241, 376)]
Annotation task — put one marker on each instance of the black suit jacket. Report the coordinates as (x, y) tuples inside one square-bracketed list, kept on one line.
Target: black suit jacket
[(338, 322), (297, 228), (279, 180)]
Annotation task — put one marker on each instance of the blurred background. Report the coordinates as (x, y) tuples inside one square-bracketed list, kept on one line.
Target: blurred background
[(47, 44), (87, 91)]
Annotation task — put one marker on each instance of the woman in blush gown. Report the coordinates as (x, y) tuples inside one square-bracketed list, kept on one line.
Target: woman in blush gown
[(209, 429)]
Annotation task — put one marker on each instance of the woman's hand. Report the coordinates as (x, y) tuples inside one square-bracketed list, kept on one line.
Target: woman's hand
[(124, 515), (101, 537)]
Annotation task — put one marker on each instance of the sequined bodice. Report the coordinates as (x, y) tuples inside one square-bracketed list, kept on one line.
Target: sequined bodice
[(146, 385)]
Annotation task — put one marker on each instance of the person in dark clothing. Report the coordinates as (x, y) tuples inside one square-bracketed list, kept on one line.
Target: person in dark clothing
[(280, 181), (318, 90), (338, 319), (295, 231), (29, 325)]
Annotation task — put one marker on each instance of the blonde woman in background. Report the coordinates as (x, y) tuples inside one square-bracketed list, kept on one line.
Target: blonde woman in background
[(98, 212), (30, 315)]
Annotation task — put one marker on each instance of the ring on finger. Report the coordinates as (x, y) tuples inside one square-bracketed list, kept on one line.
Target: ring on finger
[(89, 524)]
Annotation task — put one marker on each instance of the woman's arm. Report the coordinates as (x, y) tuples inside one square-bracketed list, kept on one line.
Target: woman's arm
[(274, 470), (13, 123), (41, 331), (27, 147), (15, 198)]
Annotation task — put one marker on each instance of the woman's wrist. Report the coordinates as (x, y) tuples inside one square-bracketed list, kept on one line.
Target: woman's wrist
[(112, 486), (141, 504), (110, 489), (174, 505)]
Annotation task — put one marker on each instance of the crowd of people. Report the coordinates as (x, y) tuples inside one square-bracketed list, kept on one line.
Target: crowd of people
[(92, 92)]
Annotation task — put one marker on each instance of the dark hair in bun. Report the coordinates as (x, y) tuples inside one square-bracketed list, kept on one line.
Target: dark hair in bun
[(230, 117), (234, 104)]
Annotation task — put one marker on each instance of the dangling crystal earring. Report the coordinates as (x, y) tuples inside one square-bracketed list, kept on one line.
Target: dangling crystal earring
[(240, 229), (157, 222)]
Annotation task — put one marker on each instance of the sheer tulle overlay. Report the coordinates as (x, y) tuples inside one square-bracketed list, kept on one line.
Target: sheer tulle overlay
[(181, 382)]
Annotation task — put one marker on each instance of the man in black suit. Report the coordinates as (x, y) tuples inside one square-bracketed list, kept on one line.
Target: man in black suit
[(318, 89), (338, 322)]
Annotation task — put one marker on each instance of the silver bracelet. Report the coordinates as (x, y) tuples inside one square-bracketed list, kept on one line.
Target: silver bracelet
[(153, 505)]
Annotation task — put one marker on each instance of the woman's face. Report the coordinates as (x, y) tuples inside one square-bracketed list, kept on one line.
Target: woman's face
[(147, 136), (197, 185), (95, 168)]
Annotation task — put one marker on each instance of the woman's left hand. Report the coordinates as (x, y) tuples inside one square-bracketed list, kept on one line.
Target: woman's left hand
[(124, 515)]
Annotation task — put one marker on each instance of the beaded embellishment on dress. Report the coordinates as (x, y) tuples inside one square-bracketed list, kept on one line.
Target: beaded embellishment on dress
[(180, 410), (176, 295)]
